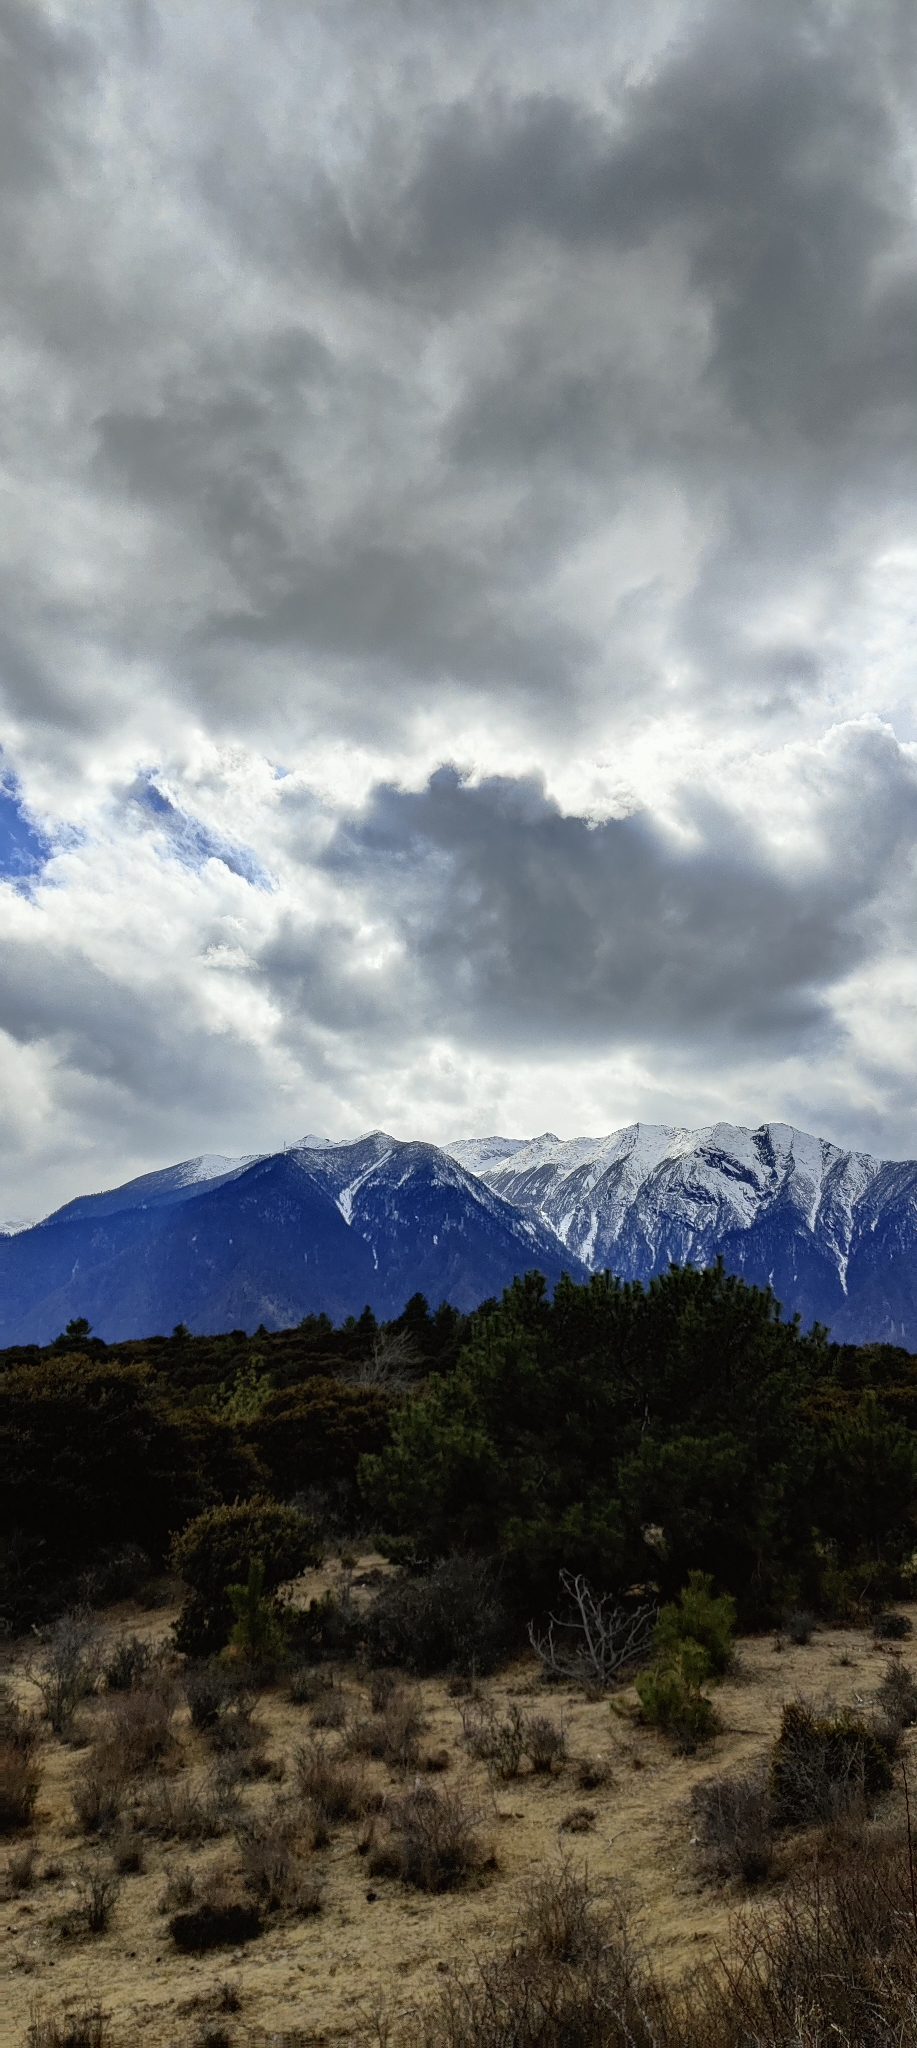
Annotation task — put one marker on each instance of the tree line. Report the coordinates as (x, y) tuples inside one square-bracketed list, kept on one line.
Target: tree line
[(632, 1433)]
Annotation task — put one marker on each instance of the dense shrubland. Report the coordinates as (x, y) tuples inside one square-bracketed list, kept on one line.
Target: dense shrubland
[(625, 1435), (638, 1434)]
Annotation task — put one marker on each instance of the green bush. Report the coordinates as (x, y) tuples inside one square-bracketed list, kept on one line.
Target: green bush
[(216, 1551), (696, 1617), (90, 1461), (671, 1698), (258, 1636), (314, 1435), (570, 1428)]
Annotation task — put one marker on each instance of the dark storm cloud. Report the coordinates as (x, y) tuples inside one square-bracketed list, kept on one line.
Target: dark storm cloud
[(39, 61), (107, 1035), (535, 927), (333, 506)]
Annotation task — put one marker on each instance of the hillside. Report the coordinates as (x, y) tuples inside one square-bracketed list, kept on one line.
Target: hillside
[(378, 1953)]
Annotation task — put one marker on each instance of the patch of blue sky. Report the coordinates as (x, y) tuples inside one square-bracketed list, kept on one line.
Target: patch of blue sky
[(25, 849), (191, 841)]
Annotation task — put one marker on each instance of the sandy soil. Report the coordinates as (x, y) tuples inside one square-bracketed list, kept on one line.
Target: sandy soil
[(331, 1977)]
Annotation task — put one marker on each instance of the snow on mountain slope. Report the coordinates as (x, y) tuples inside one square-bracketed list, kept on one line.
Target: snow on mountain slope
[(478, 1153), (318, 1227), (391, 1192), (690, 1185), (331, 1224), (780, 1206), (169, 1184)]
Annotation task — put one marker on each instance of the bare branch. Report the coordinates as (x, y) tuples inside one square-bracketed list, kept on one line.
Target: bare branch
[(596, 1640)]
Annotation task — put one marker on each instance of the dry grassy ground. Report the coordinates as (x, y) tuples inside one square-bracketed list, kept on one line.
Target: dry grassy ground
[(378, 1950)]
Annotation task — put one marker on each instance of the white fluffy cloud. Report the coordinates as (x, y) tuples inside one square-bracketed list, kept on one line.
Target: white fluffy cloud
[(457, 637)]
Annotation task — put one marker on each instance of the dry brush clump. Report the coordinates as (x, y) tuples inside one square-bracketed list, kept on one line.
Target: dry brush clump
[(20, 1869), (825, 1771), (896, 1696), (306, 1686), (572, 1977), (392, 1732), (579, 1821), (98, 1888), (891, 1627), (134, 1737), (733, 1825), (450, 1618), (222, 1916), (208, 1688), (330, 1711), (825, 1766), (176, 1811), (429, 1839), (274, 1852), (20, 1770), (505, 1745), (98, 1795), (835, 1959), (333, 1787), (126, 1664), (592, 1772), (65, 1667), (74, 2027), (139, 1722)]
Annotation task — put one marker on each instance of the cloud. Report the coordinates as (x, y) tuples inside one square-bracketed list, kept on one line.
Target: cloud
[(191, 841), (524, 389), (525, 926)]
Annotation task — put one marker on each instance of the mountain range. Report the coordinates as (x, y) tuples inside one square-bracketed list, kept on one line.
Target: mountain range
[(331, 1225)]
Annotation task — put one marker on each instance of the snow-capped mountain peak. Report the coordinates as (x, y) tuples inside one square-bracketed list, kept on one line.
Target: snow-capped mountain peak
[(777, 1203)]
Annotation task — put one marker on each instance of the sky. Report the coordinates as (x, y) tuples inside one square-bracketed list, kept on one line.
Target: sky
[(458, 574)]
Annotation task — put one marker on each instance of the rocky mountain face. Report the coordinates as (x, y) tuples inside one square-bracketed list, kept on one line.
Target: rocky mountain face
[(833, 1232)]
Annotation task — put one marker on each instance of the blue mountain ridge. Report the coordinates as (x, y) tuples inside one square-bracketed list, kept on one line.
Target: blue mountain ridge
[(219, 1243), (309, 1230)]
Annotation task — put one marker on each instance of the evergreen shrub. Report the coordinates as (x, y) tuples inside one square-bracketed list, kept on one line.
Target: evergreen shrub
[(216, 1551)]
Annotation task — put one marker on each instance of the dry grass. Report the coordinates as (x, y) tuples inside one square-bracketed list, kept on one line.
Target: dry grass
[(82, 2027), (378, 1943)]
